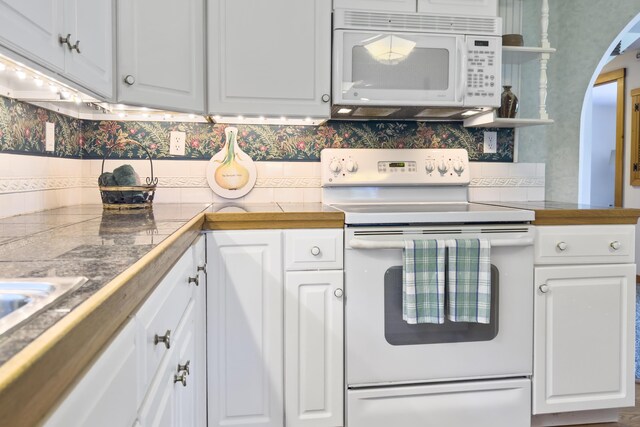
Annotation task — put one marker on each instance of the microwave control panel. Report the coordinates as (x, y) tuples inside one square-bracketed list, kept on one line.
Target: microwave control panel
[(381, 167), (483, 81)]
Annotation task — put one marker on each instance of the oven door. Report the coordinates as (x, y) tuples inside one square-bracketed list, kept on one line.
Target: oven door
[(397, 69), (382, 349)]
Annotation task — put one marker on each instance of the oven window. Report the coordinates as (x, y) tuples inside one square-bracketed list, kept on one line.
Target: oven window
[(432, 63), (399, 332)]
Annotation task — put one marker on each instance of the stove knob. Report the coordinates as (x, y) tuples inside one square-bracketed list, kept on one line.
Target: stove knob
[(442, 167), (429, 167), (351, 166), (335, 166), (458, 167)]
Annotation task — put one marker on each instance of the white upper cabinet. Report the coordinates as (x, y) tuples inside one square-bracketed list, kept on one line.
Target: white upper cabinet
[(389, 5), (161, 54), (90, 63), (269, 58), (459, 7), (70, 37), (32, 28)]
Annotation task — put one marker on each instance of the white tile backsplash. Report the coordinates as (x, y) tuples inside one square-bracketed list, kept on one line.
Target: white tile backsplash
[(30, 183)]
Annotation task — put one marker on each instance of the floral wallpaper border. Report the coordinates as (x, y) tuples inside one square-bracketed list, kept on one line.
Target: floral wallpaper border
[(22, 130)]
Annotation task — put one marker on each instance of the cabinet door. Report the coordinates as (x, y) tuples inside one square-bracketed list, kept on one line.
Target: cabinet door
[(106, 395), (314, 348), (31, 28), (389, 5), (584, 337), (245, 328), (269, 57), (186, 394), (161, 54), (199, 380), (91, 24)]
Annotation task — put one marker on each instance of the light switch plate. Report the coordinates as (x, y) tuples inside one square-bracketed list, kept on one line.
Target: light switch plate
[(50, 137), (490, 142), (176, 143)]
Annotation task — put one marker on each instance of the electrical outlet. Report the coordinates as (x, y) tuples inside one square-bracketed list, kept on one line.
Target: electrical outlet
[(490, 142), (176, 143), (50, 137)]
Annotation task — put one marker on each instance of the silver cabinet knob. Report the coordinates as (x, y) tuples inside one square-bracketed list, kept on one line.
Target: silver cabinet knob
[(325, 97), (76, 46), (182, 378), (184, 368), (129, 79), (338, 293), (544, 288), (561, 246), (315, 251), (166, 339), (615, 245), (65, 40), (195, 280)]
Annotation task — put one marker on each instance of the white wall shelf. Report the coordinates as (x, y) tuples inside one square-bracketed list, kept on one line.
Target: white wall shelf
[(512, 59), (519, 55), (491, 120)]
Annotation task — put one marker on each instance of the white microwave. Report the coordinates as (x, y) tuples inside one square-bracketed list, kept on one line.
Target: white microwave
[(396, 65)]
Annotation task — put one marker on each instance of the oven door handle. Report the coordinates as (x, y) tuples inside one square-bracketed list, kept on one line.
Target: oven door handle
[(399, 244)]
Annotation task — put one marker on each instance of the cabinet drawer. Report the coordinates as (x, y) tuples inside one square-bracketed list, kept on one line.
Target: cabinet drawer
[(161, 313), (313, 249), (585, 244)]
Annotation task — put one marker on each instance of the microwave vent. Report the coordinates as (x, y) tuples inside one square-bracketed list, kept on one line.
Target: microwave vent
[(374, 111), (416, 22)]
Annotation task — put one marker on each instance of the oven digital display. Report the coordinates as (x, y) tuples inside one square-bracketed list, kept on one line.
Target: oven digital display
[(397, 165), (484, 43)]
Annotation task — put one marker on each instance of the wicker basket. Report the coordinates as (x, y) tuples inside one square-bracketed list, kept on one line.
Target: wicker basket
[(129, 197)]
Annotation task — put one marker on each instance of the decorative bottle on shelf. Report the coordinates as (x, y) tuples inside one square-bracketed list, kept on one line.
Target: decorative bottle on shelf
[(508, 104)]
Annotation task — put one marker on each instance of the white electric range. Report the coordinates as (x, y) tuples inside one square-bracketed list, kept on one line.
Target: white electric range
[(454, 374)]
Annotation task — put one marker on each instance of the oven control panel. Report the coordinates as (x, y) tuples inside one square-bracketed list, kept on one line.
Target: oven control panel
[(380, 167)]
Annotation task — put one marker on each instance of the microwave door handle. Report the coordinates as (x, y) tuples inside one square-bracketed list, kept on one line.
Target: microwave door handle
[(462, 56), (399, 244)]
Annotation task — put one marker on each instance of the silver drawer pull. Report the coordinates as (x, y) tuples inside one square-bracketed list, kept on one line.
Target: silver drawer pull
[(166, 339), (202, 267), (65, 40), (76, 46), (544, 288), (615, 245), (184, 367), (561, 246), (194, 280), (180, 379), (338, 293), (315, 251)]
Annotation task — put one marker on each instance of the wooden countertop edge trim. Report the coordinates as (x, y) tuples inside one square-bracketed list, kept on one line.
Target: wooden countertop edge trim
[(68, 348)]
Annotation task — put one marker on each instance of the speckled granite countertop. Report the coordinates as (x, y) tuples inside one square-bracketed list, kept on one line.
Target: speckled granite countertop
[(79, 241), (123, 254)]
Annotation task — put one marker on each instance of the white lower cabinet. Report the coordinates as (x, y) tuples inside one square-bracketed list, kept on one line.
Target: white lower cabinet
[(106, 395), (153, 372), (275, 339), (584, 319), (314, 384)]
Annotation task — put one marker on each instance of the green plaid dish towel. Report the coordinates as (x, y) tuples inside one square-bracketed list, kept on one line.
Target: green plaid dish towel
[(423, 281), (469, 280)]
